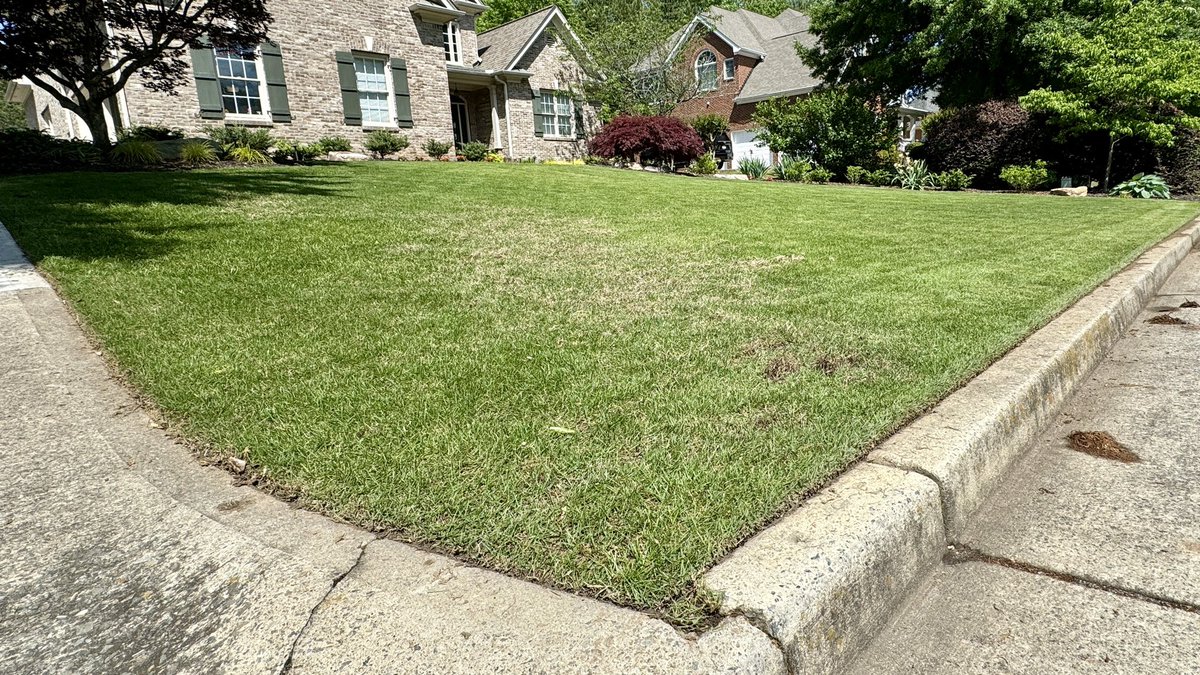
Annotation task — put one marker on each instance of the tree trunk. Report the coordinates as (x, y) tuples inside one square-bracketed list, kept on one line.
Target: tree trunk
[(1112, 146), (93, 117)]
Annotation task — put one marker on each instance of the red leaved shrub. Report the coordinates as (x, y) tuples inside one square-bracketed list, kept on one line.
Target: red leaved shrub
[(982, 139), (649, 140)]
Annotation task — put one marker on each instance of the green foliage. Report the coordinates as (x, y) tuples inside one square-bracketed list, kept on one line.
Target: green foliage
[(244, 154), (239, 140), (753, 167), (335, 144), (152, 132), (287, 152), (475, 151), (819, 174), (1025, 178), (710, 128), (25, 150), (705, 165), (197, 153), (914, 176), (1143, 186), (436, 149), (135, 152), (832, 128), (12, 116), (1134, 73), (791, 168), (855, 174), (880, 177), (952, 180), (497, 157), (383, 142)]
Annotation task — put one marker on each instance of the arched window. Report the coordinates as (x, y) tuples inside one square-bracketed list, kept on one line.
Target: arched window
[(451, 41), (706, 71)]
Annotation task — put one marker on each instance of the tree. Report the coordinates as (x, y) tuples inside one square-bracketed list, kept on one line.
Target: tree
[(83, 52), (502, 11), (970, 51), (831, 127), (1133, 74)]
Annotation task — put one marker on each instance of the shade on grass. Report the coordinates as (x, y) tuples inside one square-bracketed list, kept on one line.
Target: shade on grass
[(601, 379)]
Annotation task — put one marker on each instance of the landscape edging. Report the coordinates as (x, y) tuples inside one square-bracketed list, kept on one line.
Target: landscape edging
[(822, 586)]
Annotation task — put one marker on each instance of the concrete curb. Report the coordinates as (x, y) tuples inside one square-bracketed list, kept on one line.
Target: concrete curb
[(826, 578)]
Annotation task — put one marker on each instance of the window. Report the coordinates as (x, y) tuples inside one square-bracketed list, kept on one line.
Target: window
[(371, 75), (730, 68), (558, 114), (706, 71), (240, 81), (452, 42)]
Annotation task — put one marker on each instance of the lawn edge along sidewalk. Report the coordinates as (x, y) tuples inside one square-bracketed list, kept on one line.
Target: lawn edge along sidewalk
[(824, 580)]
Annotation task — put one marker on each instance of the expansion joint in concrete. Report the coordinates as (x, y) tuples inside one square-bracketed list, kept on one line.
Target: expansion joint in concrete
[(759, 622), (959, 553), (312, 613)]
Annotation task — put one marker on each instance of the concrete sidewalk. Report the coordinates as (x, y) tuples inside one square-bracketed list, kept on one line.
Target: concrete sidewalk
[(1080, 563)]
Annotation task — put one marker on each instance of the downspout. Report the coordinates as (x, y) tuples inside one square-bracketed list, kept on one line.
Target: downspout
[(495, 118)]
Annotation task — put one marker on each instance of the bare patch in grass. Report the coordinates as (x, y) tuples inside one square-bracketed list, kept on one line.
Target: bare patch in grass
[(1189, 304), (780, 367), (1102, 444), (830, 364), (1167, 320)]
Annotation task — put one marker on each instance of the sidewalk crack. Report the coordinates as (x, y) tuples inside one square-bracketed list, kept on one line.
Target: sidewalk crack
[(312, 613), (759, 622), (957, 554)]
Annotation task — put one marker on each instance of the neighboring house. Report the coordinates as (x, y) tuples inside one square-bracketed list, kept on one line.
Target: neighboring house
[(336, 70), (740, 58)]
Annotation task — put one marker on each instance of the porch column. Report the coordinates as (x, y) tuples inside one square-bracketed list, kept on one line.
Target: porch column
[(497, 144)]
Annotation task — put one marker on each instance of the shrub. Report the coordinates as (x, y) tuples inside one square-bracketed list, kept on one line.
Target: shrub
[(879, 177), (335, 144), (1179, 164), (1025, 178), (24, 150), (437, 149), (819, 174), (952, 180), (244, 154), (240, 137), (494, 157), (474, 151), (792, 169), (1143, 186), (981, 139), (135, 152), (705, 165), (913, 176), (197, 153), (287, 152), (664, 141), (596, 160), (382, 143), (152, 132), (855, 174), (753, 167), (833, 128)]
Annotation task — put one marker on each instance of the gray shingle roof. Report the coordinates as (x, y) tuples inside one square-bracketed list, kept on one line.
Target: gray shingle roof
[(781, 71), (500, 45)]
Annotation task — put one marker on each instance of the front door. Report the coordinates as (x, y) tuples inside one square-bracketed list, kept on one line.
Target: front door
[(462, 123)]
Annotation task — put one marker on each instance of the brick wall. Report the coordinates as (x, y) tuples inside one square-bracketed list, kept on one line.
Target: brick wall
[(552, 67), (718, 102)]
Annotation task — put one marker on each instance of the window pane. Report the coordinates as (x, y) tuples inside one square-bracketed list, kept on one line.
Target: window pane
[(237, 78)]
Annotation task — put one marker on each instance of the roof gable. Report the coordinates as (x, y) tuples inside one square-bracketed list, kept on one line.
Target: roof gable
[(503, 47)]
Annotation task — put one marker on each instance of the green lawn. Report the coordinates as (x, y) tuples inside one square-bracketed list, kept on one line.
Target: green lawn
[(601, 379)]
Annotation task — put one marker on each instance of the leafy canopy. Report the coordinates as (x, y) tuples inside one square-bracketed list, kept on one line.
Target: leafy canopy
[(1133, 73), (84, 52), (833, 128)]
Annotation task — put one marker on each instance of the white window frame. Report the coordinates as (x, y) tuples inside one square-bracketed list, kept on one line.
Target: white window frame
[(264, 99), (700, 80), (730, 68), (389, 89), (552, 118), (452, 43)]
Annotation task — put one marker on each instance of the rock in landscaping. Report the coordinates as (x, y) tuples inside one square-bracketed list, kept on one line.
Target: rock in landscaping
[(347, 157), (1080, 191)]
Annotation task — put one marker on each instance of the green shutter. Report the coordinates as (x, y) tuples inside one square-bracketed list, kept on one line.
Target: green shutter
[(277, 97), (580, 120), (404, 116), (350, 107), (208, 89)]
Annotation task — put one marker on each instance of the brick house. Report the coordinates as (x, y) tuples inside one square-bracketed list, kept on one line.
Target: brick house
[(740, 58), (344, 70)]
